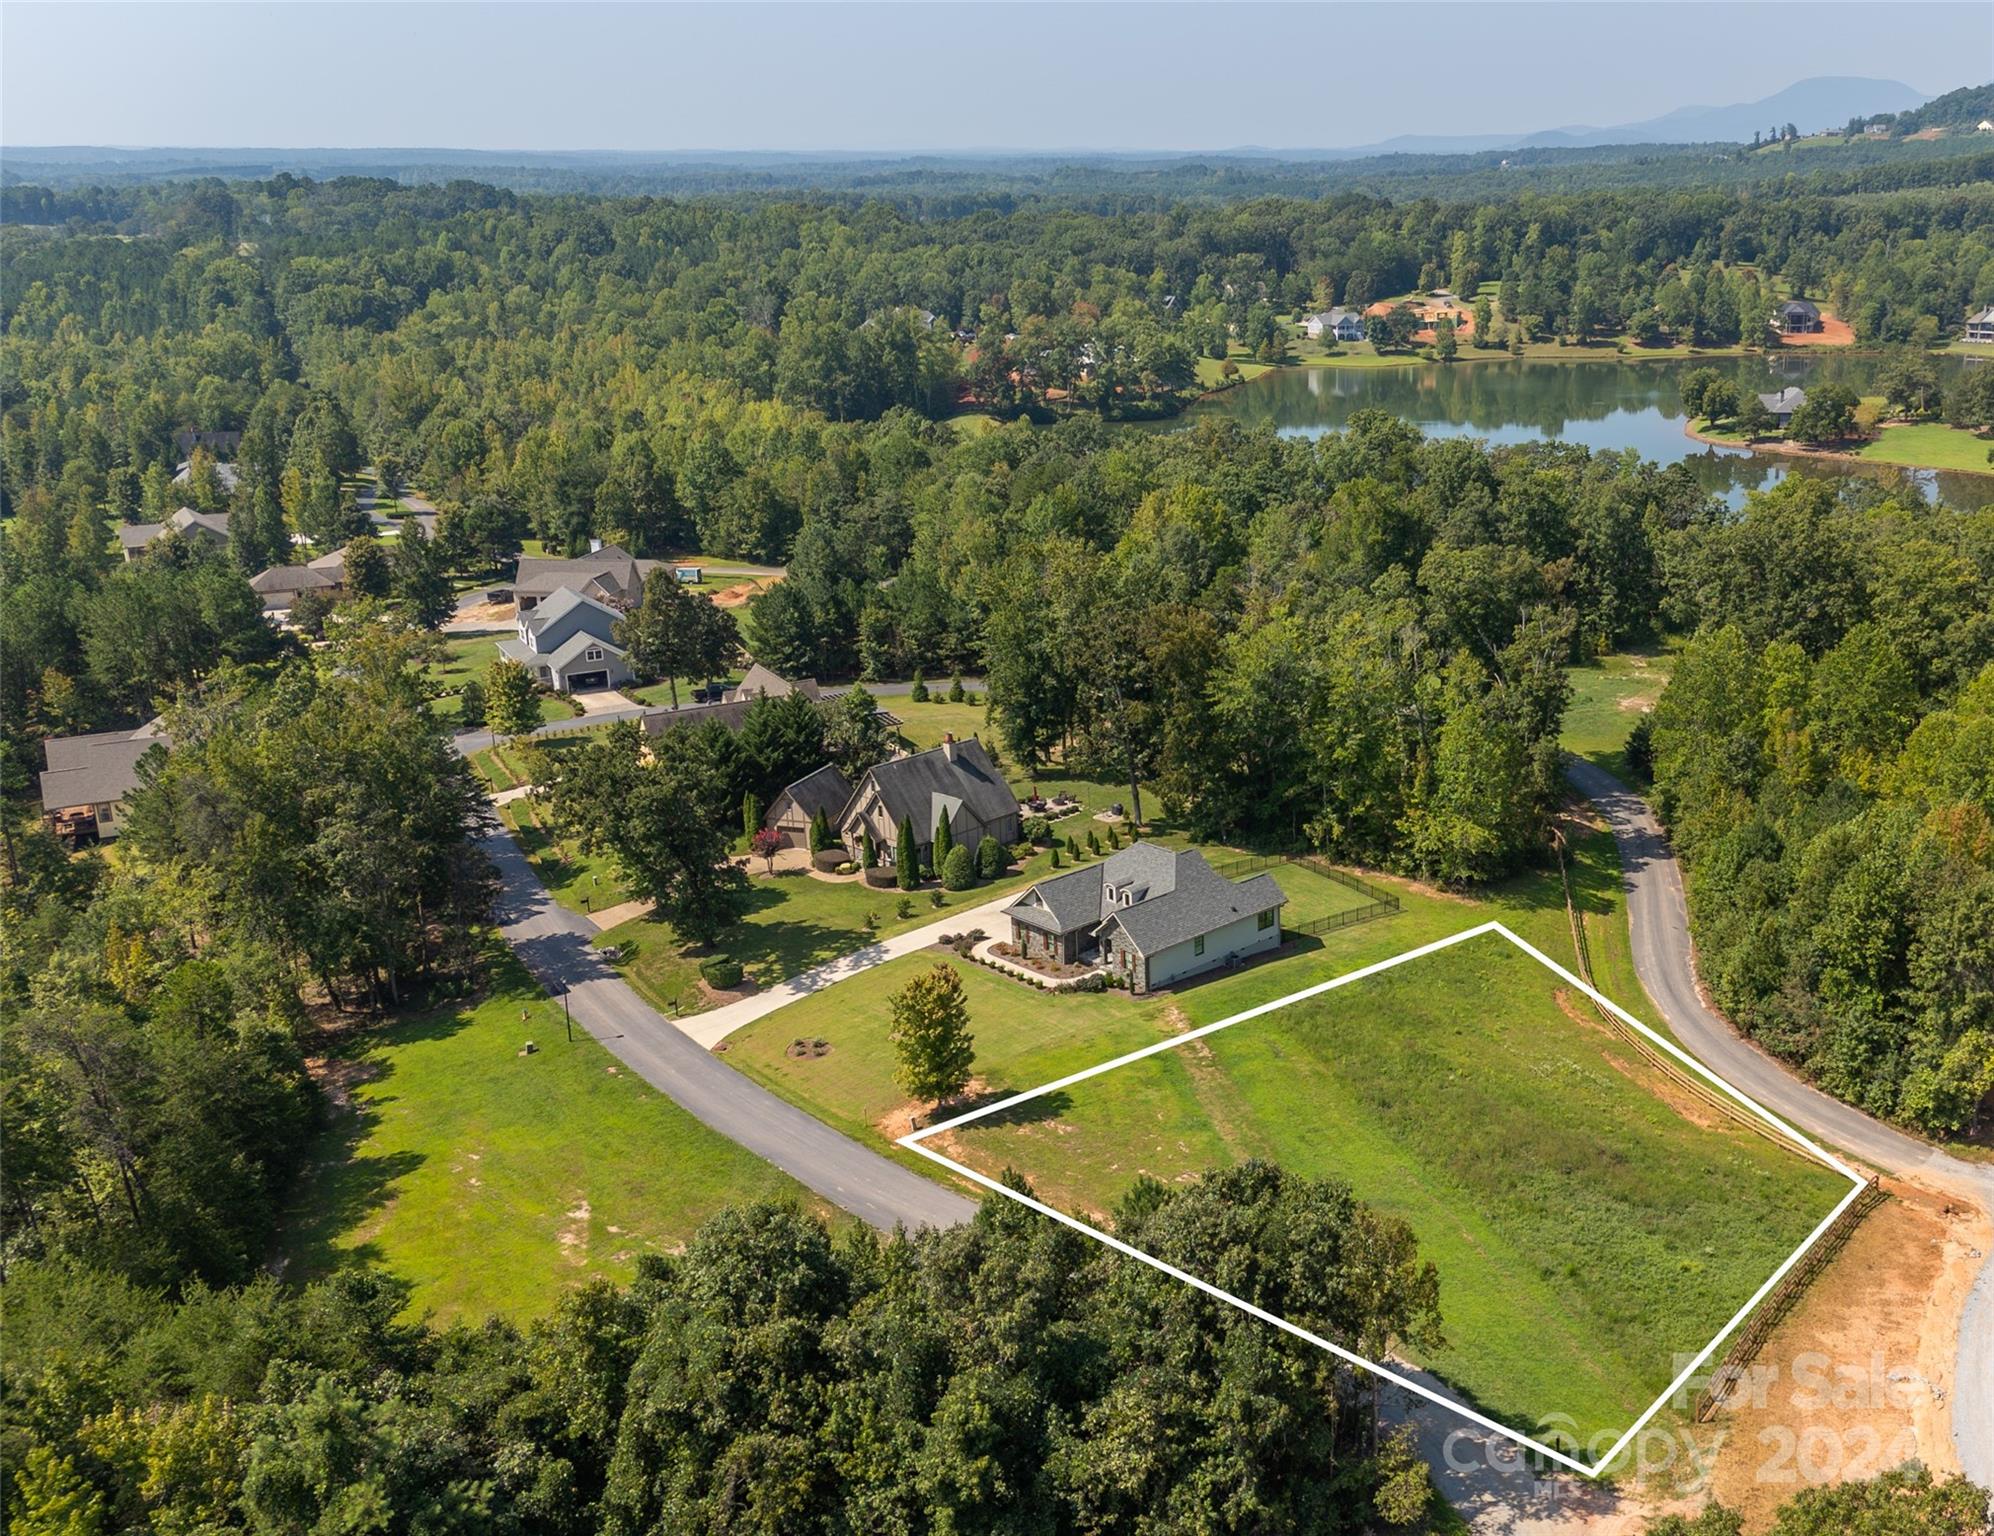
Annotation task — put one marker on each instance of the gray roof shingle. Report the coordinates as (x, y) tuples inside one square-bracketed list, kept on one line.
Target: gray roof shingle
[(99, 769), (916, 787), (1157, 896)]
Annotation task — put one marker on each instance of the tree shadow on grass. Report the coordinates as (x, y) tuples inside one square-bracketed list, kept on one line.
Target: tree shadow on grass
[(1047, 1106)]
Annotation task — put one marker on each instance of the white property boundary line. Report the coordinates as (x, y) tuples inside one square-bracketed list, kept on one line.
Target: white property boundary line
[(914, 1142)]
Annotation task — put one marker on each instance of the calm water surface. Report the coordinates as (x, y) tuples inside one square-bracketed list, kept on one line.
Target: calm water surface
[(1606, 406)]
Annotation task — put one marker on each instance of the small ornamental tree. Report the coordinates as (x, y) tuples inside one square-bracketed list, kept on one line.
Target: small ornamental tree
[(955, 689), (1114, 837), (1073, 847), (471, 705), (765, 843), (930, 1036), (868, 850), (990, 858), (919, 692), (511, 704), (944, 843), (959, 868), (906, 857), (1093, 842), (1057, 862), (820, 831), (751, 814)]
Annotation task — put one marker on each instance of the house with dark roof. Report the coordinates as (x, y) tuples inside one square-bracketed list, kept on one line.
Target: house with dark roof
[(610, 575), (187, 439), (1151, 914), (1782, 405), (227, 476), (791, 812), (568, 643), (209, 527), (1796, 316), (88, 777), (758, 681), (1339, 324), (1980, 327), (956, 779), (281, 586)]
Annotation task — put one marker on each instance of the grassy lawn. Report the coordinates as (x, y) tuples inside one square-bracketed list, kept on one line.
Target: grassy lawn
[(1930, 445), (1586, 1228), (493, 1181), (1609, 696), (659, 695), (923, 725), (470, 656), (578, 881)]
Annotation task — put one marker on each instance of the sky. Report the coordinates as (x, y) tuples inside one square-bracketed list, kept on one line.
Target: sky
[(473, 74)]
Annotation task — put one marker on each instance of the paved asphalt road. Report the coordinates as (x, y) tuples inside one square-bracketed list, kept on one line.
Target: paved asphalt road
[(555, 944), (1666, 963)]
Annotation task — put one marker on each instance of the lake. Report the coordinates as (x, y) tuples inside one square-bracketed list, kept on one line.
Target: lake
[(1606, 406)]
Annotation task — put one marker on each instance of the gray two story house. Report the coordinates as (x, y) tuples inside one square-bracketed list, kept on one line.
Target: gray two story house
[(1151, 914), (568, 643)]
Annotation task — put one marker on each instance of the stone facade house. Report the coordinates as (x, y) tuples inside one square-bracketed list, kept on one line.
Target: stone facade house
[(1153, 915), (957, 779)]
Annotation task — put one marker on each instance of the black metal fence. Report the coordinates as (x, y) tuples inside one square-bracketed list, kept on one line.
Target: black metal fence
[(1378, 901)]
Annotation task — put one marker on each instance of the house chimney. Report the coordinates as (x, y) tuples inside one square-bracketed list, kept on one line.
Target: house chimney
[(948, 745), (595, 546)]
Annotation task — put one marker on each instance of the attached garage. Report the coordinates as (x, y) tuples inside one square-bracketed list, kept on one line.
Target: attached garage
[(587, 682)]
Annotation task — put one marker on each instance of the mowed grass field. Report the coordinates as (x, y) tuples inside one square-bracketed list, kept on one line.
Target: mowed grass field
[(1590, 1223), (1609, 696), (493, 1181)]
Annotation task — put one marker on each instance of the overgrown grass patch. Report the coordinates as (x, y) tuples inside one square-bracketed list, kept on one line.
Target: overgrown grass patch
[(1609, 697), (1592, 1224)]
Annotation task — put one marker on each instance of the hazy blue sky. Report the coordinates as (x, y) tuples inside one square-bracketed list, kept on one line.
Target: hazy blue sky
[(935, 76)]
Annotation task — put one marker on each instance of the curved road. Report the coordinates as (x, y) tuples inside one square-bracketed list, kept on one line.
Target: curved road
[(557, 946), (1665, 960)]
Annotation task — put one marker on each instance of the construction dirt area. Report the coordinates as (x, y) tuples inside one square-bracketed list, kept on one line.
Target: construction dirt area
[(1857, 1378)]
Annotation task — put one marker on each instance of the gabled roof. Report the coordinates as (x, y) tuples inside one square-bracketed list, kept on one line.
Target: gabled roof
[(1157, 896), (1985, 317), (572, 649), (290, 578), (760, 680), (729, 714), (823, 789), (1805, 307), (99, 769), (610, 568), (185, 521), (333, 564), (1788, 399), (957, 773), (227, 476), (563, 601)]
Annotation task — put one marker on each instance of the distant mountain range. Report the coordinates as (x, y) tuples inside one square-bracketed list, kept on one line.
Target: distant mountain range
[(1826, 102)]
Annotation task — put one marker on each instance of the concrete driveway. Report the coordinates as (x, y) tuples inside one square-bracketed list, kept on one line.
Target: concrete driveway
[(555, 944)]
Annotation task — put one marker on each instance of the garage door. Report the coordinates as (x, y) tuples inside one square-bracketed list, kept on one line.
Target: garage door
[(584, 682)]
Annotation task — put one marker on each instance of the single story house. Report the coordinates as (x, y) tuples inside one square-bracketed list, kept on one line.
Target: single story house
[(822, 789), (227, 476), (135, 538), (1785, 403), (568, 643), (1795, 316), (1980, 327), (187, 439), (1338, 323), (607, 574), (281, 586), (333, 565), (730, 714), (88, 777), (758, 681), (1152, 914), (956, 779)]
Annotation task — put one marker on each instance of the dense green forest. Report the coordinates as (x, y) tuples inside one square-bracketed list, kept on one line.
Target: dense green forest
[(1359, 645)]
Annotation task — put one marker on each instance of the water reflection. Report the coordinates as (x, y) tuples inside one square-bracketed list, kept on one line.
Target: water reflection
[(1606, 406)]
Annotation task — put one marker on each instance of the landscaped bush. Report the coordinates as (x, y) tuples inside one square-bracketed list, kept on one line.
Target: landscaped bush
[(919, 692), (828, 859), (904, 908), (721, 972), (1037, 829), (960, 868), (955, 689), (847, 868), (879, 879), (990, 858)]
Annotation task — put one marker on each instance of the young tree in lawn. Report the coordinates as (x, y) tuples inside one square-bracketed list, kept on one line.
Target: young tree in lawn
[(471, 704), (1720, 400), (930, 1035), (906, 856), (919, 692), (1827, 415), (673, 634), (512, 704), (765, 843), (1753, 419)]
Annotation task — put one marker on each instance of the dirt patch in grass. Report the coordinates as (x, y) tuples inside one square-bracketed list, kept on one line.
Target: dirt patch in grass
[(1858, 1376), (1833, 333), (904, 1119)]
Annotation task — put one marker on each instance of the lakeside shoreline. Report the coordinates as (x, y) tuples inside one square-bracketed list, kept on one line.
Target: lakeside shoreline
[(1781, 448)]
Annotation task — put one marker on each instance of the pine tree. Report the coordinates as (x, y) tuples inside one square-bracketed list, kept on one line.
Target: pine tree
[(868, 850), (944, 840), (906, 857), (751, 813)]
